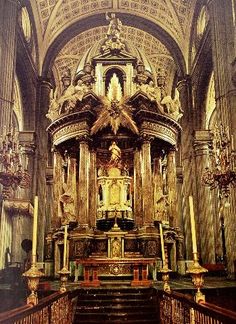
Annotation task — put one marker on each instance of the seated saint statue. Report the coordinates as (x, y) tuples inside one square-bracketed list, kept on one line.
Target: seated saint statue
[(71, 95), (173, 106), (153, 93), (53, 111)]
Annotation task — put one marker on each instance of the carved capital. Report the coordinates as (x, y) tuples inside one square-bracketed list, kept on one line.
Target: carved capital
[(146, 138), (18, 206)]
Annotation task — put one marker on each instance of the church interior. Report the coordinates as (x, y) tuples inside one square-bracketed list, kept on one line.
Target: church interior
[(117, 159)]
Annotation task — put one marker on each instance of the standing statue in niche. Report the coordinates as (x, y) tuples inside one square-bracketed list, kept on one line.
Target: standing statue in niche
[(115, 153)]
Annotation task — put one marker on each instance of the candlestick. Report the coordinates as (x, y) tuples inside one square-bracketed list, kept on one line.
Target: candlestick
[(65, 247), (34, 241), (192, 221), (162, 245)]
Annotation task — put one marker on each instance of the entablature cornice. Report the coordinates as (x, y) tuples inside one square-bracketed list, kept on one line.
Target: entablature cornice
[(158, 126)]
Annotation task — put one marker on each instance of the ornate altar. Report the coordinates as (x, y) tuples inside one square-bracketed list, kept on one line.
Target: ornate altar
[(114, 132)]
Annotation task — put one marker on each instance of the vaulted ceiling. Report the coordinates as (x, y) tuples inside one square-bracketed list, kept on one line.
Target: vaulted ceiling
[(67, 28)]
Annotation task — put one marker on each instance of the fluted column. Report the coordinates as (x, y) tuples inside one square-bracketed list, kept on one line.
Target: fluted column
[(138, 214), (83, 191), (8, 43), (148, 202), (224, 63), (172, 187), (93, 189), (204, 217)]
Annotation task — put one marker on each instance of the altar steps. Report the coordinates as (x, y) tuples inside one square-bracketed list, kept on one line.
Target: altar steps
[(117, 305)]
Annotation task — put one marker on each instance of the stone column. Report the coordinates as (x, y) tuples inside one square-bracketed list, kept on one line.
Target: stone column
[(172, 187), (93, 189), (138, 212), (83, 191), (224, 62), (148, 205), (204, 215), (187, 162), (41, 124), (8, 43)]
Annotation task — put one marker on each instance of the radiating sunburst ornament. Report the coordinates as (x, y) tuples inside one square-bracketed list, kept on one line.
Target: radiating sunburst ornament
[(115, 112)]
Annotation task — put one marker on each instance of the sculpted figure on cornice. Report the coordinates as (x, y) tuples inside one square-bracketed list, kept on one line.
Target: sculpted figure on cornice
[(66, 103), (173, 106)]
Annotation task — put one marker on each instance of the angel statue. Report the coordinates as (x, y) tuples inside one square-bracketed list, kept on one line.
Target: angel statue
[(173, 106), (115, 112)]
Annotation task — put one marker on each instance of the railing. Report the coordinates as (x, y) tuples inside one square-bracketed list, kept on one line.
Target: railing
[(176, 308), (58, 308)]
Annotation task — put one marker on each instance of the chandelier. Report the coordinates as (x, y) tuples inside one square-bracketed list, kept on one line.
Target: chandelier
[(12, 174), (221, 173)]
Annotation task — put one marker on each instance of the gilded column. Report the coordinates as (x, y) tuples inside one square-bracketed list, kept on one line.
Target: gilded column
[(93, 189), (138, 214), (159, 201), (204, 216), (8, 43), (172, 187), (57, 189), (83, 191), (148, 203)]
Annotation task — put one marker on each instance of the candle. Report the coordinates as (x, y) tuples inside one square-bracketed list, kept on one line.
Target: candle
[(162, 245), (65, 247), (34, 243), (192, 221)]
